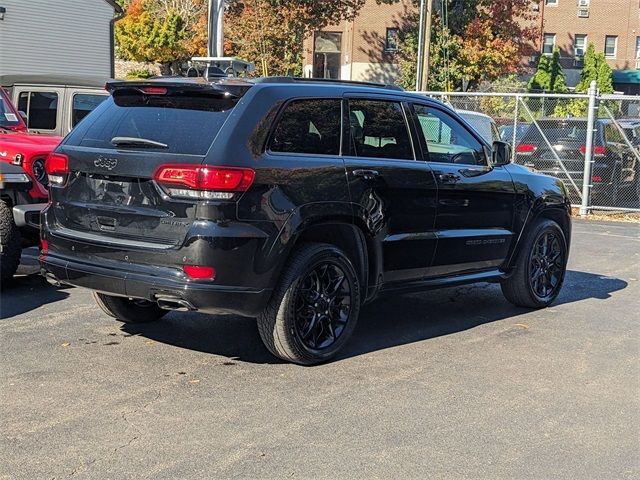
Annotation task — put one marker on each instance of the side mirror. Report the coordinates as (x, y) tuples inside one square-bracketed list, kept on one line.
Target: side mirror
[(501, 154), (23, 115)]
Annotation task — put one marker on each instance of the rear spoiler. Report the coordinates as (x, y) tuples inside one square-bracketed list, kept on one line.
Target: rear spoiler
[(173, 86)]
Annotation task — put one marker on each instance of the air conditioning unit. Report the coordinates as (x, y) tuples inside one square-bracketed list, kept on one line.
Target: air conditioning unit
[(578, 62), (583, 3), (579, 52), (583, 13)]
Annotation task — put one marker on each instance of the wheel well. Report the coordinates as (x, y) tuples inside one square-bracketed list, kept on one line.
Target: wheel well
[(347, 237), (561, 218)]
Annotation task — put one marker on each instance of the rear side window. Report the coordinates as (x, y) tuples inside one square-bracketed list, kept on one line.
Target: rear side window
[(41, 109), (186, 122), (83, 103), (378, 130), (310, 126)]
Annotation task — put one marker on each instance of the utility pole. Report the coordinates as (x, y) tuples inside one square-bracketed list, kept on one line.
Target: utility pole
[(216, 28), (424, 45)]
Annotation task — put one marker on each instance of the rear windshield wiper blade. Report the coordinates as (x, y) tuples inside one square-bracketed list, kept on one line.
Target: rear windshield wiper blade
[(136, 142)]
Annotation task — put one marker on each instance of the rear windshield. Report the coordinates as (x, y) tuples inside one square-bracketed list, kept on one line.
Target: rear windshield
[(573, 131), (7, 117), (185, 123)]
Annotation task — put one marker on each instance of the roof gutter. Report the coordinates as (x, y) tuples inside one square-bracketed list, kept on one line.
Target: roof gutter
[(118, 14)]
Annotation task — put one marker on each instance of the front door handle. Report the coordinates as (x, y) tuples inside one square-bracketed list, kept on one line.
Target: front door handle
[(366, 174), (448, 178)]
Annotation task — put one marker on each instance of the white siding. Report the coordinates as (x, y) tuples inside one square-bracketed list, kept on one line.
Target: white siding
[(56, 36)]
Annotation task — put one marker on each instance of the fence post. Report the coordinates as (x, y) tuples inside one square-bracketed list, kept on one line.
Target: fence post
[(515, 129), (588, 155)]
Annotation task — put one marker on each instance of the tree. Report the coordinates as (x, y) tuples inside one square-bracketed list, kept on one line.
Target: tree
[(595, 67), (541, 78), (274, 30), (480, 40), (161, 31), (549, 76)]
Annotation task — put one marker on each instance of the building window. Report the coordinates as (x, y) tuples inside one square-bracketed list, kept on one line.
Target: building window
[(610, 46), (553, 3), (391, 41), (326, 55), (579, 45), (638, 48), (549, 43)]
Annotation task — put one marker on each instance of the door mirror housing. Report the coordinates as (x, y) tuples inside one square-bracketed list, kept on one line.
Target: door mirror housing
[(501, 154), (23, 115)]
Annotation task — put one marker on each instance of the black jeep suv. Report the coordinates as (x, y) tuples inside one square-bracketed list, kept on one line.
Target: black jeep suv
[(293, 201)]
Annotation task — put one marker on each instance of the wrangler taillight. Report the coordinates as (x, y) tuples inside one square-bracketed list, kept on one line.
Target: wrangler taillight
[(57, 168), (526, 149), (598, 151), (203, 182)]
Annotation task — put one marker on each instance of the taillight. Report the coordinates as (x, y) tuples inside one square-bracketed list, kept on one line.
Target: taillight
[(44, 247), (598, 151), (526, 149), (57, 167), (198, 272), (596, 178), (204, 182)]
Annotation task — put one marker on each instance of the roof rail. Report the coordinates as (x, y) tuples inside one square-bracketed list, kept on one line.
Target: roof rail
[(326, 80)]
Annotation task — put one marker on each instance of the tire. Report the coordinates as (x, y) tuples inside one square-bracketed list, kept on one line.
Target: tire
[(129, 310), (537, 279), (11, 244), (314, 309)]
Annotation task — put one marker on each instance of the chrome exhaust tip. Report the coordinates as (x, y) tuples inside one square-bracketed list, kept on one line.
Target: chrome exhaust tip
[(175, 304)]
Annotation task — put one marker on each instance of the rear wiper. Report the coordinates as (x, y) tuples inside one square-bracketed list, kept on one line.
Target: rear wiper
[(136, 142)]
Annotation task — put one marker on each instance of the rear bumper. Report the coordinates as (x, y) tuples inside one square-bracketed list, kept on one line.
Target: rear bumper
[(150, 284)]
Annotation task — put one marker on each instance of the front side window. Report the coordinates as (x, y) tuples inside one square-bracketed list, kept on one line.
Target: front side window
[(378, 129), (309, 126), (610, 46), (549, 43), (447, 140), (41, 109), (83, 103)]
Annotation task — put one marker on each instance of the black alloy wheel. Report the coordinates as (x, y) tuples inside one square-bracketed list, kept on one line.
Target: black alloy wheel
[(546, 265), (322, 305)]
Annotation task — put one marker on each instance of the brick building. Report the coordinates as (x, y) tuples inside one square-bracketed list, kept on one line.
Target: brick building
[(613, 26), (363, 49)]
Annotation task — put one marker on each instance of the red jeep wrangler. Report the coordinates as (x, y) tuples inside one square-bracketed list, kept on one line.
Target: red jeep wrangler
[(23, 185), (19, 147)]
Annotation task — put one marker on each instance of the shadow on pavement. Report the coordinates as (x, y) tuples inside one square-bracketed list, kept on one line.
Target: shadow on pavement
[(388, 322), (26, 293)]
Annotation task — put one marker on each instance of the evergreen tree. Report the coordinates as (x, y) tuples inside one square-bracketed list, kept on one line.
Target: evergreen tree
[(595, 67), (556, 75), (541, 79)]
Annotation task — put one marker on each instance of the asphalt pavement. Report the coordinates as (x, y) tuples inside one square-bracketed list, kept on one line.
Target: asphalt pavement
[(455, 383)]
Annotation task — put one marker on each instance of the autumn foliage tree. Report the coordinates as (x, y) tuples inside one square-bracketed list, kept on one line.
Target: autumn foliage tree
[(480, 40), (272, 32), (162, 31)]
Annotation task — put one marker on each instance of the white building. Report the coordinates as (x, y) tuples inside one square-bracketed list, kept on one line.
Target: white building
[(57, 37)]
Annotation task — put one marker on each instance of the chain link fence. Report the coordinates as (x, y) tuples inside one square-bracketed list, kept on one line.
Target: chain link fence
[(591, 142)]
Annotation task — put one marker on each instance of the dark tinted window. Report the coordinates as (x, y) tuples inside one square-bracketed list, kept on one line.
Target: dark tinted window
[(378, 129), (41, 109), (447, 139), (83, 103), (309, 126), (186, 122)]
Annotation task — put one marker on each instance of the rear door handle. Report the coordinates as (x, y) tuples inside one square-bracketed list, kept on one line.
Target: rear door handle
[(448, 178), (366, 174)]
